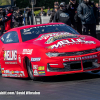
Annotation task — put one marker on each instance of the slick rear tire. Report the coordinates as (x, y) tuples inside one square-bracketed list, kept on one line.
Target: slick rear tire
[(30, 69)]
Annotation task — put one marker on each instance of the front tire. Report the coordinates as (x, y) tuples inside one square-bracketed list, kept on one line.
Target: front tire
[(30, 69)]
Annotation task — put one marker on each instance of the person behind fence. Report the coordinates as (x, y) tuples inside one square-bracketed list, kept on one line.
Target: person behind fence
[(13, 20), (88, 17), (55, 9), (72, 7), (63, 15), (53, 13), (2, 14), (7, 19), (42, 13), (97, 10), (29, 15), (18, 18), (48, 12)]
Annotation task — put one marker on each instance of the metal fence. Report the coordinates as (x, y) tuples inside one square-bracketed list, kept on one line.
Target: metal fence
[(37, 20)]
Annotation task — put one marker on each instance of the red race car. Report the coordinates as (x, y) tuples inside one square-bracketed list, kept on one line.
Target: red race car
[(46, 50)]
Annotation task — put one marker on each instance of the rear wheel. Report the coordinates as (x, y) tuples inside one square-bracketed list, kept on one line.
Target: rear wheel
[(30, 69)]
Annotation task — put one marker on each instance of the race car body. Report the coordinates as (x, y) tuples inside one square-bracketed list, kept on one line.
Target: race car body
[(47, 50)]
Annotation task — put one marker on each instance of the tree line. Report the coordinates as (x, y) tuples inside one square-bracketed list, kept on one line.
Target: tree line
[(39, 3)]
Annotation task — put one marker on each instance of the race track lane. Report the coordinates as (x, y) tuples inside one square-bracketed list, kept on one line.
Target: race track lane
[(84, 86)]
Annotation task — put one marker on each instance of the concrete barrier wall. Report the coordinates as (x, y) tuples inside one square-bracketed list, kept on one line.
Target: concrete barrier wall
[(45, 19)]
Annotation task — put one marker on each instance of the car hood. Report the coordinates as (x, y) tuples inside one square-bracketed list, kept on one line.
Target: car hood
[(65, 42)]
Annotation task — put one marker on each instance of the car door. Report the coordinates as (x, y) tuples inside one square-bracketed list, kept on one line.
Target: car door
[(9, 50)]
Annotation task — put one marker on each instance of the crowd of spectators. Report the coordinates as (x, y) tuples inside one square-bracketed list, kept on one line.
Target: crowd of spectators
[(82, 17), (9, 19)]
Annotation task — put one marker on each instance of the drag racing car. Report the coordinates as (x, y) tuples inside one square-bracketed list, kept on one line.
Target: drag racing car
[(47, 50)]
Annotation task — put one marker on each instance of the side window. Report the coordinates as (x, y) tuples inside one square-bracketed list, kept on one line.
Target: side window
[(3, 38), (10, 37)]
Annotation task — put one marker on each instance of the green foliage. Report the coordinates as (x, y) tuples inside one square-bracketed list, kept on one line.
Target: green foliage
[(5, 2), (37, 12)]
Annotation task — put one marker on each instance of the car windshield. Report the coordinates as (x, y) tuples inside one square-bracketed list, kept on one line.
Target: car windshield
[(34, 32)]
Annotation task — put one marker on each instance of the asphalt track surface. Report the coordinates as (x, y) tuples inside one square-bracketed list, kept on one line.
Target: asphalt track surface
[(81, 86)]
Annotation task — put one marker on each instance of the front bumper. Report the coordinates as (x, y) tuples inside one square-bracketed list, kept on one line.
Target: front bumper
[(76, 65), (68, 64)]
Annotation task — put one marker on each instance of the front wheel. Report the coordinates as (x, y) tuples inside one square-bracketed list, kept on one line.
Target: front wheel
[(30, 70)]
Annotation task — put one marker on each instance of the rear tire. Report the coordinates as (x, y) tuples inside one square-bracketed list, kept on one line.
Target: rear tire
[(30, 69)]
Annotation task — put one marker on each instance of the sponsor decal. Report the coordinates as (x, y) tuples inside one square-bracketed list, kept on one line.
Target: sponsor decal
[(63, 34), (35, 59), (70, 41), (35, 72), (3, 71), (27, 33), (10, 62), (8, 75), (4, 75), (41, 68), (10, 55), (19, 58), (27, 30), (35, 66), (27, 51), (16, 75), (16, 72), (2, 68), (80, 58), (12, 72), (41, 72), (20, 75), (13, 75), (6, 71), (22, 72)]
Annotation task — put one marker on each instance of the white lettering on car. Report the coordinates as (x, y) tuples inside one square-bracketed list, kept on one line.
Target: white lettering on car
[(80, 58), (35, 59), (70, 41), (27, 51)]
